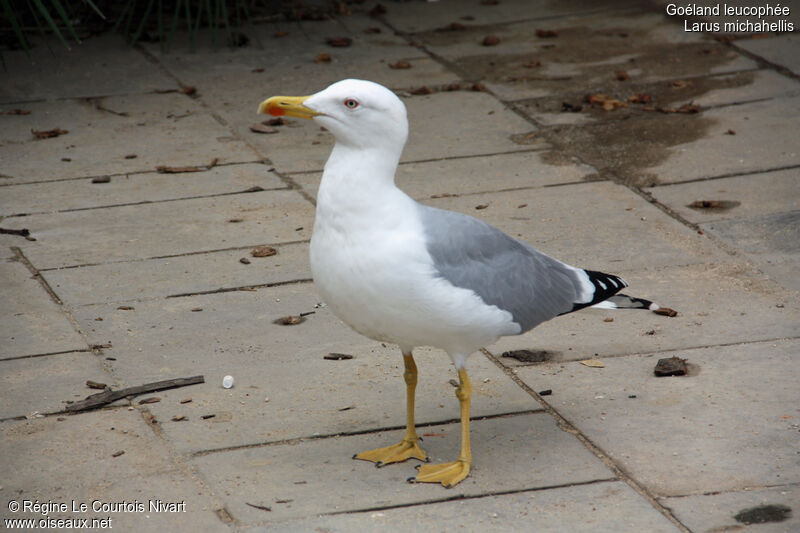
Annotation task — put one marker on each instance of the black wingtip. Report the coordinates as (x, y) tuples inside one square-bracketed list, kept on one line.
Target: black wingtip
[(605, 286)]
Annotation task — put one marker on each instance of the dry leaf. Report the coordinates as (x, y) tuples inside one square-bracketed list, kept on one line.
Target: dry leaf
[(47, 134), (339, 42), (491, 40), (400, 65), (640, 98), (546, 33), (453, 26), (421, 90), (594, 363), (263, 251), (260, 127), (621, 75), (322, 58)]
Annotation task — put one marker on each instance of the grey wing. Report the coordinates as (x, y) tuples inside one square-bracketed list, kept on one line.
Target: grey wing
[(503, 271)]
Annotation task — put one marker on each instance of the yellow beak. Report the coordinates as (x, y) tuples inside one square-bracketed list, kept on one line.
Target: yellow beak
[(287, 105)]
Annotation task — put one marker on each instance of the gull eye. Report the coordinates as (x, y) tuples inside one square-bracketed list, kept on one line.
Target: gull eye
[(351, 103)]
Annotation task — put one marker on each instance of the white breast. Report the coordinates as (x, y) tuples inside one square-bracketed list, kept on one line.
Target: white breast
[(370, 265)]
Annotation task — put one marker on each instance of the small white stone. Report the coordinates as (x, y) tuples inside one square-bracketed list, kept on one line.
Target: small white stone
[(227, 382)]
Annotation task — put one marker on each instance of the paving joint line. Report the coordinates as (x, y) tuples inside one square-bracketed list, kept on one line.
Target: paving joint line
[(643, 354), (369, 431), (487, 494), (126, 174), (170, 256), (243, 288), (728, 175), (569, 427), (144, 202), (791, 484), (194, 473)]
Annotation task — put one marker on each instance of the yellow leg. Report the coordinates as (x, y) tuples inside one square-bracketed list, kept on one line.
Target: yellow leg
[(449, 474), (409, 446)]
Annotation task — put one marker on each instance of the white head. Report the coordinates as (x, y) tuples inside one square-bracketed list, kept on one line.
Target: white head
[(360, 114)]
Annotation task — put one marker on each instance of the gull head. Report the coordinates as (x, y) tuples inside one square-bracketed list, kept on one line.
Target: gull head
[(361, 114)]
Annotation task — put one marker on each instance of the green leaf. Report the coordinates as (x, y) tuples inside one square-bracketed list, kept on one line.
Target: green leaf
[(17, 30), (51, 22), (62, 12), (96, 10), (142, 23)]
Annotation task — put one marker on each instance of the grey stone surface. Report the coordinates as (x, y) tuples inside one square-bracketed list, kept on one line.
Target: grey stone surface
[(128, 281), (284, 364), (43, 384), (103, 131), (718, 154), (417, 17), (758, 194), (607, 506), (772, 240), (71, 459), (677, 434), (587, 52), (99, 66), (320, 476), (167, 228), (717, 304), (705, 91), (715, 512), (778, 49), (283, 436), (30, 322), (74, 194), (471, 175)]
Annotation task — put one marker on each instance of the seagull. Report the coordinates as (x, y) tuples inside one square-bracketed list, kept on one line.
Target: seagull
[(412, 275)]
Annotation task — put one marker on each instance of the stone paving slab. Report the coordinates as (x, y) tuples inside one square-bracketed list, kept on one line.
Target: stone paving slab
[(166, 228), (715, 512), (773, 241), (606, 506), (30, 322), (416, 17), (73, 194), (677, 435), (103, 132), (716, 304), (597, 225), (43, 384), (320, 476), (758, 194), (471, 175), (103, 65), (705, 91), (718, 154), (587, 52), (72, 459), (442, 125), (778, 49), (129, 281), (285, 364)]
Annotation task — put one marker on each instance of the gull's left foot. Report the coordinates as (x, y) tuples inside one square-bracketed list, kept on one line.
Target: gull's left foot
[(448, 474), (396, 453)]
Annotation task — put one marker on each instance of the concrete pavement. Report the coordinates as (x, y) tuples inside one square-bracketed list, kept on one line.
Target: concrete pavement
[(141, 278)]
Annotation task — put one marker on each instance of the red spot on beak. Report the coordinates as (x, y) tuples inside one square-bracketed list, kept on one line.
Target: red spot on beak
[(275, 111)]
